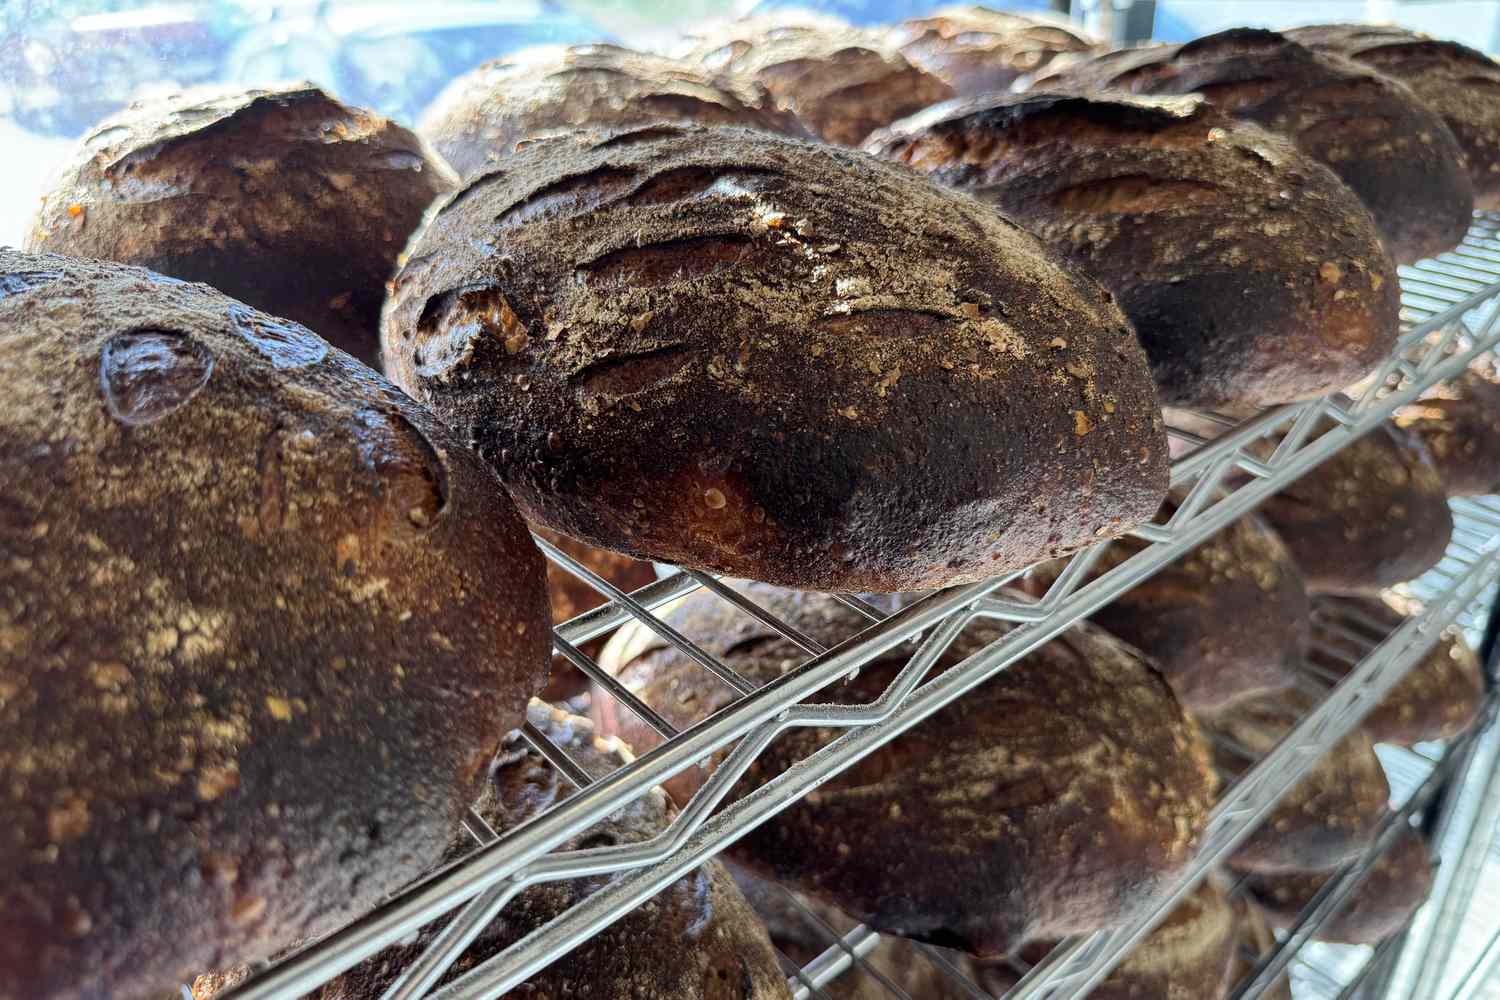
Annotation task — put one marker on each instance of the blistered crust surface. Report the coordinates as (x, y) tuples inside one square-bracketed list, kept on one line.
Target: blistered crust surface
[(794, 363), (262, 625)]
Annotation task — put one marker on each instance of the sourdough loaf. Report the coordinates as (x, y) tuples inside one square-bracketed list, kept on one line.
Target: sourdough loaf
[(975, 50), (1459, 422), (1395, 153), (1043, 803), (483, 115), (283, 198), (696, 940), (1250, 272), (840, 82), (1454, 81), (263, 623), (736, 352)]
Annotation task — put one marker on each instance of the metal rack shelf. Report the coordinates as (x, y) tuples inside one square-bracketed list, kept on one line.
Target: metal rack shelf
[(1450, 319)]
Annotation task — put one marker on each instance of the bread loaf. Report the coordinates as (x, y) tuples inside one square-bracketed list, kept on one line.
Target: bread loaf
[(1377, 907), (1437, 699), (975, 50), (1250, 272), (263, 622), (283, 198), (1229, 620), (1459, 422), (736, 352), (1043, 803), (696, 940), (1395, 153), (840, 82), (1328, 817), (1188, 955), (482, 116), (1458, 83)]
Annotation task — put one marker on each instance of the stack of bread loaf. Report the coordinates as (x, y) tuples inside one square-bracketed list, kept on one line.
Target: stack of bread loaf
[(824, 308)]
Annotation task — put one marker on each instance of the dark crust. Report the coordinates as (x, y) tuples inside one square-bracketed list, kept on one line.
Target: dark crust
[(1459, 83), (285, 199), (1459, 422), (1229, 620), (1437, 699), (1328, 817), (738, 352), (1044, 803), (263, 623), (1379, 906), (1250, 272), (1373, 131), (1371, 516), (975, 50), (698, 939), (1187, 955), (841, 82), (482, 116)]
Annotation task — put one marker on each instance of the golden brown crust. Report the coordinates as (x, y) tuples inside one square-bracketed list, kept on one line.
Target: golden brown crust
[(841, 82), (1398, 156), (1378, 906), (698, 939), (1437, 699), (1459, 83), (1042, 804), (254, 604), (737, 352), (482, 116), (283, 198), (975, 50), (1459, 422), (1250, 272), (1227, 621)]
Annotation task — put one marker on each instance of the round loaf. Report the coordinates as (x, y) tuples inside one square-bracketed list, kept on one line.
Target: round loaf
[(1377, 907), (1250, 272), (1043, 803), (695, 940), (1460, 84), (1437, 699), (736, 352), (263, 623), (1459, 422), (283, 198), (1328, 817), (840, 82), (1376, 134), (975, 50), (1227, 621), (1188, 955), (482, 116)]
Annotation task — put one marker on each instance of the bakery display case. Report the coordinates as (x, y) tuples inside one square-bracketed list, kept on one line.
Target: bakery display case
[(1246, 747)]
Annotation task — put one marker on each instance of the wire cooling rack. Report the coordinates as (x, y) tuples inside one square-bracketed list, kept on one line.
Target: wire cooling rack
[(1449, 321)]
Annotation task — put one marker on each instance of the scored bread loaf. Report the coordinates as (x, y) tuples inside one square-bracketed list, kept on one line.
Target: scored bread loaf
[(1459, 422), (1044, 803), (1438, 698), (1332, 812), (1252, 275), (1456, 82), (283, 198), (975, 50), (1377, 907), (1395, 153), (841, 82), (1187, 956), (482, 116), (1228, 620), (733, 351), (698, 939), (263, 623)]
